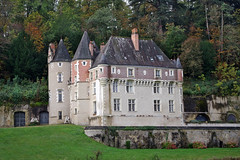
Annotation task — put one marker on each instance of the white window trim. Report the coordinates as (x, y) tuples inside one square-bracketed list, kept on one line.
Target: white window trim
[(94, 88), (160, 105), (58, 115), (57, 98), (113, 68), (133, 72), (84, 63), (160, 74), (96, 74), (135, 105), (60, 64), (159, 88), (173, 108), (170, 88), (115, 88), (101, 70), (61, 77), (171, 72), (132, 91), (116, 107)]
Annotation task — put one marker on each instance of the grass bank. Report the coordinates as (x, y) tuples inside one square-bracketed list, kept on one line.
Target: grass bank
[(68, 142)]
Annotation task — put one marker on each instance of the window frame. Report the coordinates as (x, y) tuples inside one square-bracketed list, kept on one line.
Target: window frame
[(94, 107), (60, 94), (113, 70), (158, 73), (116, 105), (130, 70), (170, 88), (115, 86), (60, 77), (171, 106), (132, 105), (60, 115), (171, 72), (157, 105), (129, 86), (156, 88)]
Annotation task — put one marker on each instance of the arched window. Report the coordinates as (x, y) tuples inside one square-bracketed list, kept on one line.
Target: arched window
[(231, 118), (202, 118)]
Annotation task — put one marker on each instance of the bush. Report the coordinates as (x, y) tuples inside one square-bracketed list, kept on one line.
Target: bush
[(199, 145), (128, 144), (168, 145), (231, 145)]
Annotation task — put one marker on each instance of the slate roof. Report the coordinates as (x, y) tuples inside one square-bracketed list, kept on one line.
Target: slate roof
[(120, 51), (61, 54), (83, 51)]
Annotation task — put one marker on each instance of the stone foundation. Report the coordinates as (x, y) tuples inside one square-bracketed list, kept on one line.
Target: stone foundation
[(153, 137)]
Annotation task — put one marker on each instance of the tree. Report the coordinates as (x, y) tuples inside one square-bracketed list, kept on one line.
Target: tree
[(191, 57), (23, 60), (174, 37), (208, 56), (102, 22)]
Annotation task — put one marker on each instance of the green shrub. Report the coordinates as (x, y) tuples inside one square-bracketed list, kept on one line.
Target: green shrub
[(128, 144)]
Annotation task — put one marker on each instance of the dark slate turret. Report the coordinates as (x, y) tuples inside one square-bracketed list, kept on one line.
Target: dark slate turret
[(178, 63), (83, 51), (62, 54)]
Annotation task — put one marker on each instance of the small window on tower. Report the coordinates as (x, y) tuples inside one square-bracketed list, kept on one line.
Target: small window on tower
[(59, 64), (84, 63)]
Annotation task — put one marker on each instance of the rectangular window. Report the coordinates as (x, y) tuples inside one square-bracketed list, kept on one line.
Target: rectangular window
[(60, 93), (156, 88), (60, 77), (129, 87), (60, 115), (75, 111), (115, 86), (181, 107), (94, 88), (171, 72), (157, 106), (131, 105), (180, 90), (116, 103), (130, 72), (170, 88), (171, 106), (91, 75), (113, 70), (96, 74), (157, 73), (75, 95), (94, 107), (101, 70), (75, 67)]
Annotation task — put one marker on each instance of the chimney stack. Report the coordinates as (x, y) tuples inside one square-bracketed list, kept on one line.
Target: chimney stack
[(135, 38), (91, 47), (51, 52), (101, 47)]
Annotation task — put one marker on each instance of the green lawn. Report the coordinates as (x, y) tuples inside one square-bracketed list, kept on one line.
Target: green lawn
[(68, 142)]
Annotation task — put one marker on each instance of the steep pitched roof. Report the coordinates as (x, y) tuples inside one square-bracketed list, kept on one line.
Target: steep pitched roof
[(83, 51), (62, 54), (120, 51)]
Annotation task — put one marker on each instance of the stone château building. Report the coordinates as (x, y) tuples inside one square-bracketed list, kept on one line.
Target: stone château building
[(128, 82)]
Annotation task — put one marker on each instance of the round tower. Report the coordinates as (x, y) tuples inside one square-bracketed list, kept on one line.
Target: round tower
[(59, 68)]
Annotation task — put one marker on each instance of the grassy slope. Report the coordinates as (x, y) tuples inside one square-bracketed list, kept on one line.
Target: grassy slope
[(69, 143)]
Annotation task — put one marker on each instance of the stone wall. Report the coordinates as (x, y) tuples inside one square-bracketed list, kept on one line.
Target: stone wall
[(216, 108), (7, 114), (153, 138)]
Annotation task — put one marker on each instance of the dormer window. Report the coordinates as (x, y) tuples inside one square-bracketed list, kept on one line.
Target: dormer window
[(113, 70), (130, 72), (171, 72), (157, 73)]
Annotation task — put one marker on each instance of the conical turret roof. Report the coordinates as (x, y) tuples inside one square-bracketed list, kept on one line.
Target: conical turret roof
[(83, 51), (62, 54)]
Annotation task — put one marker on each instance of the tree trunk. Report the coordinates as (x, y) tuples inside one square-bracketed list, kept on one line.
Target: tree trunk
[(221, 37), (207, 21)]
